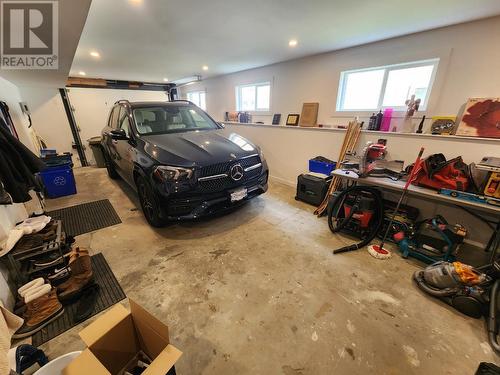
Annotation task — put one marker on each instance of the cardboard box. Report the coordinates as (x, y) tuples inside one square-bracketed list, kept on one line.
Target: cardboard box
[(116, 337)]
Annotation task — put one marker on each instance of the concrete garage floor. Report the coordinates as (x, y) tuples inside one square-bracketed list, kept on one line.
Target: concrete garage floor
[(258, 291)]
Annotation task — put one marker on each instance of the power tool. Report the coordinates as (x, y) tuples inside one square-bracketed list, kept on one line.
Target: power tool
[(431, 240)]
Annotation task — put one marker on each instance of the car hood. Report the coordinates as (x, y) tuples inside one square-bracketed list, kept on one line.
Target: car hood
[(197, 148)]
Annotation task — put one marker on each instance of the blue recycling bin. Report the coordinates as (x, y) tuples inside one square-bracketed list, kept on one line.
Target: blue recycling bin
[(59, 181)]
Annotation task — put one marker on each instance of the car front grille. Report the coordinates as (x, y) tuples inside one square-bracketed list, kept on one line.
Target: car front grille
[(226, 182)]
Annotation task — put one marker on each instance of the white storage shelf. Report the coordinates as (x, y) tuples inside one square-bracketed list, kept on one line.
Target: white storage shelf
[(389, 134)]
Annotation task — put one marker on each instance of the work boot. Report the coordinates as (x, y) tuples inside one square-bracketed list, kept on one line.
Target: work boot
[(81, 276), (34, 287), (39, 312), (77, 252)]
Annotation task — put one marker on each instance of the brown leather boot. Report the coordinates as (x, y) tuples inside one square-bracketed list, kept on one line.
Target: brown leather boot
[(76, 253), (81, 276), (39, 313)]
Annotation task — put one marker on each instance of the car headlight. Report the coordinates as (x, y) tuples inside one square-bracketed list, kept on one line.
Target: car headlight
[(168, 173)]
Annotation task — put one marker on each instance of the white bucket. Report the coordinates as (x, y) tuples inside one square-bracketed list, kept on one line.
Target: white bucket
[(56, 366)]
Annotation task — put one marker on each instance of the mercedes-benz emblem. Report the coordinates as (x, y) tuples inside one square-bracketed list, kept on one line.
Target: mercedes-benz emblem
[(236, 172)]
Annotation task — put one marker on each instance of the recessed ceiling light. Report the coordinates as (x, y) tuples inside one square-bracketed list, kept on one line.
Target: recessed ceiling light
[(165, 79), (205, 67), (95, 54), (82, 73), (292, 43), (136, 2)]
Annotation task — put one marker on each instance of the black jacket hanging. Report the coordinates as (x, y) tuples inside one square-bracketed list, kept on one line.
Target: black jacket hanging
[(4, 108), (17, 166)]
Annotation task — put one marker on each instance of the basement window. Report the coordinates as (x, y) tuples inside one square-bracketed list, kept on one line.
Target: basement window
[(386, 86), (198, 98), (253, 97)]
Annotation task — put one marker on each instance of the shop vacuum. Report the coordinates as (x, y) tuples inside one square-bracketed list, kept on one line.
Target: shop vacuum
[(472, 291), (357, 211)]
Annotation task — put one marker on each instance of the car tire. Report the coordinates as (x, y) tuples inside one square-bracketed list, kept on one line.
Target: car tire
[(110, 167), (149, 204)]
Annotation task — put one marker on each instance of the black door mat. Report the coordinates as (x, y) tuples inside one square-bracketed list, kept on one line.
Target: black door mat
[(110, 292), (86, 217)]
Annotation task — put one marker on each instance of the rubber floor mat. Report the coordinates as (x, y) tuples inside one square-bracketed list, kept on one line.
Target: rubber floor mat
[(110, 292), (86, 217)]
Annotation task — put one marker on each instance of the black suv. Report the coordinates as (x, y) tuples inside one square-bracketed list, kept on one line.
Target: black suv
[(180, 160)]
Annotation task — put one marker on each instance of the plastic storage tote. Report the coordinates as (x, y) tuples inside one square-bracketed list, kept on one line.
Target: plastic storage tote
[(321, 167), (59, 181)]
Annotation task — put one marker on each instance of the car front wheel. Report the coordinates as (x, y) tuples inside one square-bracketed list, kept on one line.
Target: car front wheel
[(149, 203)]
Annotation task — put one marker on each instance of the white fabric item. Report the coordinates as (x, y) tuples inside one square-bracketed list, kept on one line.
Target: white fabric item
[(34, 224), (9, 323), (32, 284), (13, 237), (37, 292)]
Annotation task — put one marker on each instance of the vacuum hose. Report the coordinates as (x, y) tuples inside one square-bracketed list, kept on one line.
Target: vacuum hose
[(338, 204), (492, 318)]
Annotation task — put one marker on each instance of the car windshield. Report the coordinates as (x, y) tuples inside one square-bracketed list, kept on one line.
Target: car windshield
[(171, 119)]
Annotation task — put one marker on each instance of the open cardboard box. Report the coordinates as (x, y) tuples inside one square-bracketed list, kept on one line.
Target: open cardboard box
[(116, 337)]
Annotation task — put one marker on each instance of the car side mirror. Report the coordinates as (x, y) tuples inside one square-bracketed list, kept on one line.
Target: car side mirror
[(118, 135)]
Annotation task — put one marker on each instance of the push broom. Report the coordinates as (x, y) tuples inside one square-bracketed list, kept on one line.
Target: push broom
[(378, 251)]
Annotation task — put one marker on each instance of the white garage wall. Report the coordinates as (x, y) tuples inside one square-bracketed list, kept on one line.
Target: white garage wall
[(48, 116), (92, 107), (468, 68), (10, 94)]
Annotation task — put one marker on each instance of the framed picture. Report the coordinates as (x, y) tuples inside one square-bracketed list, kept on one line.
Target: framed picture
[(293, 119), (309, 115), (443, 124), (276, 119), (481, 118)]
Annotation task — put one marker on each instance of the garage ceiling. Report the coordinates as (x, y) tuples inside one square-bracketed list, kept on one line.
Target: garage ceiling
[(149, 40)]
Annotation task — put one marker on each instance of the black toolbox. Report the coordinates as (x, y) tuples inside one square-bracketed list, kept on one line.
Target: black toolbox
[(312, 189)]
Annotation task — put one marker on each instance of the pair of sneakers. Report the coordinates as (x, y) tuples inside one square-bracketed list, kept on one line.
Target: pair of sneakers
[(39, 305)]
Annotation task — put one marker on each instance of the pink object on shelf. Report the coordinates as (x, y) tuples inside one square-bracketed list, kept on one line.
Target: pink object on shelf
[(386, 120)]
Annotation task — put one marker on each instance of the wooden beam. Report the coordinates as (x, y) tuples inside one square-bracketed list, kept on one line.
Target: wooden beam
[(91, 82)]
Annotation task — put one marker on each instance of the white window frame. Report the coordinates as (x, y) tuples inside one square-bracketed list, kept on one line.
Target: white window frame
[(198, 92), (387, 69), (257, 85)]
